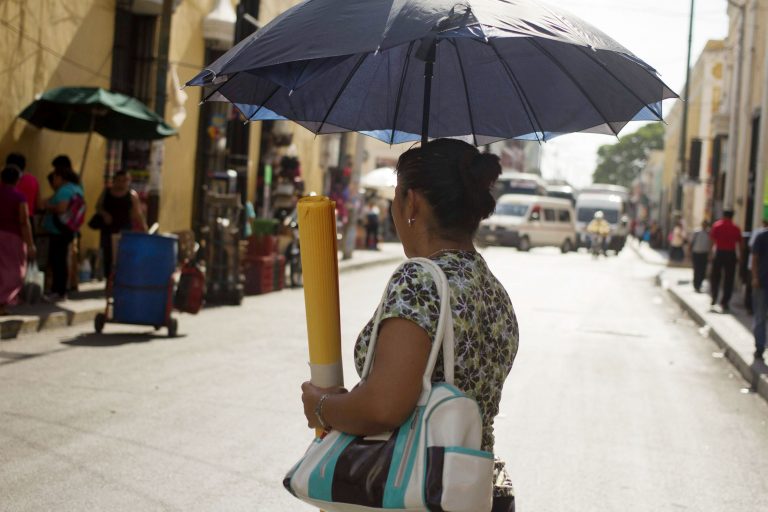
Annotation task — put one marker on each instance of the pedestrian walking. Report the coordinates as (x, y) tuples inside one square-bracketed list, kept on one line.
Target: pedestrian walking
[(28, 184), (118, 209), (434, 222), (16, 243), (65, 211), (700, 249), (677, 242), (747, 273), (726, 241), (372, 214), (759, 273)]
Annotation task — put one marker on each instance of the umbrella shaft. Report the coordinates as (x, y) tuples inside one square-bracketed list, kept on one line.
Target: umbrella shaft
[(428, 72)]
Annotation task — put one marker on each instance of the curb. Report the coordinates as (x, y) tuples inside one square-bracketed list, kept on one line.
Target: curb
[(369, 264), (758, 381), (640, 255), (15, 325)]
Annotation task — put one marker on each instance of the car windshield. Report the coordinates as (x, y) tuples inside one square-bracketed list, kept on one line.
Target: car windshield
[(586, 214), (513, 209)]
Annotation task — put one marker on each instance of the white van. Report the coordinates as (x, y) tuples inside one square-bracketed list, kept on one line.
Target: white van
[(526, 221), (613, 207)]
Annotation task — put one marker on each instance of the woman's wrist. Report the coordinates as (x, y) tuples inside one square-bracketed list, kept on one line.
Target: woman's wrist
[(319, 412)]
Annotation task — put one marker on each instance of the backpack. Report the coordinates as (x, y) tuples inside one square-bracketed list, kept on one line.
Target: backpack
[(73, 218)]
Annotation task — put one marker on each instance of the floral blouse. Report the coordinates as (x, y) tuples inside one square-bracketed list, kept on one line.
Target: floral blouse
[(484, 323)]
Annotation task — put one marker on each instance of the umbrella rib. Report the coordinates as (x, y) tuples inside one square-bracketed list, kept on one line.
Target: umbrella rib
[(341, 90), (225, 82), (466, 91), (263, 103), (575, 82), (400, 92), (529, 111), (621, 82)]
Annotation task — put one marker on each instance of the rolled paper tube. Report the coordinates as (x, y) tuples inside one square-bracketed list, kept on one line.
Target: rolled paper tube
[(317, 236)]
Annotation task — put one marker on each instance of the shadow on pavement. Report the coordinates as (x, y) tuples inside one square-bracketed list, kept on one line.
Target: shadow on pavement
[(93, 293), (92, 339)]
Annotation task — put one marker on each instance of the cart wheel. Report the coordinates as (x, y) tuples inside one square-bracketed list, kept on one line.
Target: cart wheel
[(173, 328), (99, 321)]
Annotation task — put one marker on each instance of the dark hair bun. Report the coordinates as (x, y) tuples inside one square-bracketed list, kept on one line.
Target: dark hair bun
[(455, 178), (477, 179)]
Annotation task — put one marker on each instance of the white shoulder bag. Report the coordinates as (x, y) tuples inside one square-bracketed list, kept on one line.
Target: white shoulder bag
[(432, 462)]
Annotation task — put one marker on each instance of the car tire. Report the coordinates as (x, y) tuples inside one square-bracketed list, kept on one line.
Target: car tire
[(524, 245), (567, 246)]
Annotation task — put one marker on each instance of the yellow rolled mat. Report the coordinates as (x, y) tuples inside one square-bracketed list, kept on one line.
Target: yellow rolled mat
[(317, 235)]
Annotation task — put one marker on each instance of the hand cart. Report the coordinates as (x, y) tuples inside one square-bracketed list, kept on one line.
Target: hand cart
[(141, 289)]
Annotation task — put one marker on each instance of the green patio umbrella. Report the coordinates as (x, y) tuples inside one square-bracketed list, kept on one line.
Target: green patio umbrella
[(93, 109)]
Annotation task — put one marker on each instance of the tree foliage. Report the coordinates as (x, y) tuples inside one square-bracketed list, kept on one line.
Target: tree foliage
[(620, 163)]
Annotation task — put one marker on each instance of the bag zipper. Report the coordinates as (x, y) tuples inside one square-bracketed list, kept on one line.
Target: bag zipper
[(407, 451)]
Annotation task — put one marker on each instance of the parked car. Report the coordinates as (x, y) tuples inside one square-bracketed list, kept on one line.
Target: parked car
[(526, 221), (614, 211)]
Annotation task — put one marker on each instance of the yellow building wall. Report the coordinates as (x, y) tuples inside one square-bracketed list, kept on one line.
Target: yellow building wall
[(46, 44), (187, 54)]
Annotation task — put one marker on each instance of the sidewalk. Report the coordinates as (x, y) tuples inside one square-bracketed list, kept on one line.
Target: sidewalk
[(732, 332), (84, 305)]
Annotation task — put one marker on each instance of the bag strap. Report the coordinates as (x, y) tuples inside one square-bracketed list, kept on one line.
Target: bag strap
[(444, 337)]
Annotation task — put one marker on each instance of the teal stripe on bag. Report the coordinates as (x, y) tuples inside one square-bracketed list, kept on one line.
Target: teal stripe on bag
[(321, 478), (468, 451)]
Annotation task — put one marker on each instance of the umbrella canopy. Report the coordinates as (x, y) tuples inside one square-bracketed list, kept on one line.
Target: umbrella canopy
[(382, 180), (86, 109), (401, 70)]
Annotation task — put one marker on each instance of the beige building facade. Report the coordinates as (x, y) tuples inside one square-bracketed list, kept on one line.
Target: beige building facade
[(696, 180), (745, 111)]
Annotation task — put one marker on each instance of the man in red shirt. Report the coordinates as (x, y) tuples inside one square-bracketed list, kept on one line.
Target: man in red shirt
[(726, 246), (27, 184)]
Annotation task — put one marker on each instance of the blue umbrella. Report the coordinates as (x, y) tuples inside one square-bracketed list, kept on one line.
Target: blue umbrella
[(404, 70)]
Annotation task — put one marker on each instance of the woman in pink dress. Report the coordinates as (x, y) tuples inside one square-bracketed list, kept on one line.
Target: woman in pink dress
[(16, 244)]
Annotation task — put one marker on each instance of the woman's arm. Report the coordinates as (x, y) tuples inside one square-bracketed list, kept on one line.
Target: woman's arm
[(58, 208), (136, 216), (26, 230), (383, 401)]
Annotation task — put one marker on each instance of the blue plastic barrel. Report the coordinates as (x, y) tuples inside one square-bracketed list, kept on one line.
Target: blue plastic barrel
[(145, 264)]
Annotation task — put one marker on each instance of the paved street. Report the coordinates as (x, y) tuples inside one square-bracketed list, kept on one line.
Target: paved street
[(615, 403)]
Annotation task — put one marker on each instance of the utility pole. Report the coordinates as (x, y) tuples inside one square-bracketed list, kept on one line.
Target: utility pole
[(161, 86), (733, 132), (681, 160)]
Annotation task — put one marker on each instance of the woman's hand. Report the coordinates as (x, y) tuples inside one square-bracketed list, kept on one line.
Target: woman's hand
[(310, 395)]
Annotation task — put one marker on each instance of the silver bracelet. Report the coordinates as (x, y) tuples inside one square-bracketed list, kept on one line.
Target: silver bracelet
[(319, 412)]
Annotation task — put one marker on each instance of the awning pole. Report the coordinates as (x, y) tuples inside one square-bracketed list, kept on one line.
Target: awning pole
[(87, 145)]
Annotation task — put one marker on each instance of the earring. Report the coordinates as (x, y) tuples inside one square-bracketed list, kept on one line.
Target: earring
[(411, 221)]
